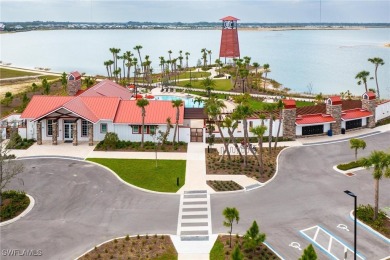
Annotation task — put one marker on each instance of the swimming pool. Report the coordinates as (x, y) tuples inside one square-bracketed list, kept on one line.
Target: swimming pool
[(188, 101)]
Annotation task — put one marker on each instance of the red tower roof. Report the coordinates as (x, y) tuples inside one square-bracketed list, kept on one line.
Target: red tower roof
[(229, 18)]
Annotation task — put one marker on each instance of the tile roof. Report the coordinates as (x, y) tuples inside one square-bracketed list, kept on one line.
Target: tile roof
[(355, 114), (107, 88), (42, 105), (156, 112), (76, 74), (314, 119), (335, 100), (289, 103), (371, 95)]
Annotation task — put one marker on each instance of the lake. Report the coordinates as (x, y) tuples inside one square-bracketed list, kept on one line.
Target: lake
[(328, 59)]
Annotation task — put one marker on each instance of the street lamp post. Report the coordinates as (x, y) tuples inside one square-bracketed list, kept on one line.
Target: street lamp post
[(349, 193)]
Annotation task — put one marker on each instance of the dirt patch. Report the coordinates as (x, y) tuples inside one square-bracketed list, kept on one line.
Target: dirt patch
[(139, 247), (236, 165)]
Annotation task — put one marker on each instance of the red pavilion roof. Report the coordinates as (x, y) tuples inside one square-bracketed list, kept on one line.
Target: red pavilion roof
[(355, 114), (314, 119), (229, 18)]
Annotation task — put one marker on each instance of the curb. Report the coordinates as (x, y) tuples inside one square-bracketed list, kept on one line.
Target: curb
[(131, 185), (348, 171), (387, 240), (112, 239), (21, 215), (50, 157)]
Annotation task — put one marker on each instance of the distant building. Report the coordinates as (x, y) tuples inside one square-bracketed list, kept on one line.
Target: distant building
[(2, 27), (18, 27)]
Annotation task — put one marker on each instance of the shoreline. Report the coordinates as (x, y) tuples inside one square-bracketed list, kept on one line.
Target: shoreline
[(275, 28)]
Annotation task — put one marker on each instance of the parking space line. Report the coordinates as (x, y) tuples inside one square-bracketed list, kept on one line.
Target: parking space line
[(332, 239)]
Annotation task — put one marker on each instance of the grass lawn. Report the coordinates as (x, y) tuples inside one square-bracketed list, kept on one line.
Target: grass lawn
[(186, 75), (303, 103), (220, 84), (144, 174), (10, 73)]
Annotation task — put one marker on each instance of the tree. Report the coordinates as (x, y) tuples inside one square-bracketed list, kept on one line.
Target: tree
[(259, 131), (7, 100), (204, 56), (280, 107), (46, 86), (34, 87), (309, 253), (237, 254), (362, 78), (381, 163), (176, 104), (377, 61), (198, 100), (231, 125), (64, 80), (256, 65), (266, 70), (319, 98), (138, 49), (231, 215), (209, 52), (208, 84), (142, 103), (253, 237), (213, 108), (187, 54), (89, 81), (357, 144), (9, 169), (164, 136), (270, 108)]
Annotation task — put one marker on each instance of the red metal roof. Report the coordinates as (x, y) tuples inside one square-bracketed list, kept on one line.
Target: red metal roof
[(76, 75), (42, 105), (229, 18), (355, 114), (289, 103), (156, 112), (107, 88), (102, 107), (335, 100), (314, 119), (80, 91), (371, 95)]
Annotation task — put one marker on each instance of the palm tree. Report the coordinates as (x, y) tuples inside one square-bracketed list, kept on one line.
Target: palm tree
[(381, 163), (231, 215), (270, 108), (256, 65), (266, 70), (357, 144), (209, 52), (204, 56), (280, 107), (208, 84), (187, 54), (176, 104), (134, 63), (127, 57), (377, 61), (107, 63), (231, 125), (181, 58), (198, 100), (362, 77), (142, 103), (243, 111), (138, 49), (259, 131), (319, 98), (213, 108)]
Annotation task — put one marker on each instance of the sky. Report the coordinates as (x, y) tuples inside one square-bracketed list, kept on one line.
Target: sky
[(275, 11)]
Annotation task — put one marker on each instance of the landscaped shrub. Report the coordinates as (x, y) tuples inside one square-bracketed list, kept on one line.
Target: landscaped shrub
[(110, 141), (16, 142), (14, 202), (348, 166), (365, 213)]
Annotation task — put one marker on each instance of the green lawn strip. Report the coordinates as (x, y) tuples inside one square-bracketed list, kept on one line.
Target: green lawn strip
[(303, 103), (144, 174), (348, 166), (220, 84), (10, 73), (217, 252), (186, 75)]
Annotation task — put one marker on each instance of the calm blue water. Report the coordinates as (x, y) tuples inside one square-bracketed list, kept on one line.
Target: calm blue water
[(188, 102), (329, 60)]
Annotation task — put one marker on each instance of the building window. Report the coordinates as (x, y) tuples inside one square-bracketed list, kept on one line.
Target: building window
[(49, 127), (103, 128), (145, 129), (135, 129), (84, 128), (250, 124), (152, 129), (313, 130)]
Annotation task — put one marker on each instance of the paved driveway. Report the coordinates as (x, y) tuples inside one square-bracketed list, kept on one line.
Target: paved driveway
[(79, 205), (308, 192)]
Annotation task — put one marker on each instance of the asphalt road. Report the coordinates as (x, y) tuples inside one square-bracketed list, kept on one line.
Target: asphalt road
[(79, 205), (308, 192)]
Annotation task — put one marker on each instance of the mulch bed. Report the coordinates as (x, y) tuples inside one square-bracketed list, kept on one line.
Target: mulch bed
[(236, 166), (13, 205), (139, 247), (224, 185), (261, 252), (147, 148)]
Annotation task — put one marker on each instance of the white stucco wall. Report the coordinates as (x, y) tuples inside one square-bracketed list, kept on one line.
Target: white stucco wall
[(382, 111), (194, 123)]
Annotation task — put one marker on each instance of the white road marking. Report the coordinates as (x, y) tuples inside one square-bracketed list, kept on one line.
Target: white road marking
[(342, 226), (295, 245)]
